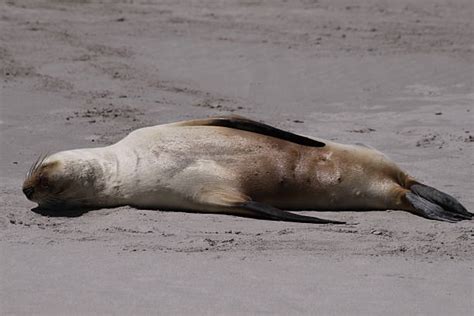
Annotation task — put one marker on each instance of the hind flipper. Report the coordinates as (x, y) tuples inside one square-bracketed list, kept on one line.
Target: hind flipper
[(230, 201), (430, 210), (442, 199)]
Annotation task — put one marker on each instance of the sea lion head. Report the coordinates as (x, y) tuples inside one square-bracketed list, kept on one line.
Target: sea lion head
[(56, 183)]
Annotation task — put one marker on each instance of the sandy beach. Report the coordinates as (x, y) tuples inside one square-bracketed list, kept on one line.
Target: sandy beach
[(395, 75)]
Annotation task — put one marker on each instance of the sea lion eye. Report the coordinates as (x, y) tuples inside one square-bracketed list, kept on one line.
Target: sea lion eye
[(43, 182)]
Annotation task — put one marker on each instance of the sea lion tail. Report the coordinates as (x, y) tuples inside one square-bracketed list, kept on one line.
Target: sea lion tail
[(434, 204)]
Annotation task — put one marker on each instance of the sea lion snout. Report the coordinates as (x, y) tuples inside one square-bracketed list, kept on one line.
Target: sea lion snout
[(28, 191)]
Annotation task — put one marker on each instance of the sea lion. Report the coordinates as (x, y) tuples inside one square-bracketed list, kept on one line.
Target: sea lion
[(232, 165)]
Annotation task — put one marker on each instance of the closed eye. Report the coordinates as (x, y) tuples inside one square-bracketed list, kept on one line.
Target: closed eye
[(43, 182)]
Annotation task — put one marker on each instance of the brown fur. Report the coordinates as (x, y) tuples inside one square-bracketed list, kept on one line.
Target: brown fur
[(38, 176), (231, 166)]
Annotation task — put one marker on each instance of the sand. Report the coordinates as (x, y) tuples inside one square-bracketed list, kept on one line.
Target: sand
[(395, 75)]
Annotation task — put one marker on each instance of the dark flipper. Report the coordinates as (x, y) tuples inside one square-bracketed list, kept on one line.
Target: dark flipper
[(277, 214), (446, 201), (230, 200), (245, 124), (434, 204)]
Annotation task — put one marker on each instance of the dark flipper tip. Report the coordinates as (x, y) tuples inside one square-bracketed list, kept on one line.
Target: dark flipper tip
[(277, 214), (434, 211), (442, 199)]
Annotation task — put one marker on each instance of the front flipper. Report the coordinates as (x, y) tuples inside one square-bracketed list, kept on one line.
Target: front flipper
[(229, 201), (276, 214)]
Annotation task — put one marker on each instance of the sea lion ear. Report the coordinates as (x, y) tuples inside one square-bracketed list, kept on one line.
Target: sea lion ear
[(242, 123)]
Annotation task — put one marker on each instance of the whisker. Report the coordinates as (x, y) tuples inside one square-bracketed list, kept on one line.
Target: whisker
[(41, 160), (38, 162), (28, 174), (34, 165)]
